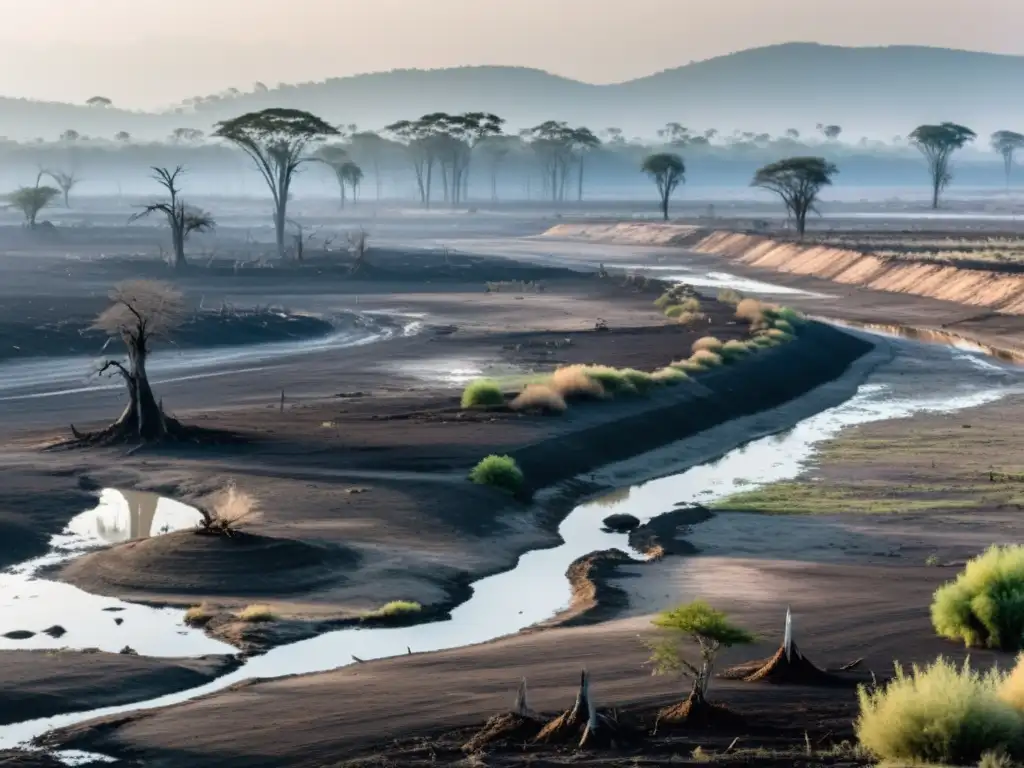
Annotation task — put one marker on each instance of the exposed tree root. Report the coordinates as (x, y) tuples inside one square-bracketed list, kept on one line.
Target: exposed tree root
[(519, 725), (568, 726), (696, 711)]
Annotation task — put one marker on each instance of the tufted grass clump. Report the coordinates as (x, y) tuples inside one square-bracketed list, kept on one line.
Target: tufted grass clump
[(613, 380), (784, 325), (690, 306), (729, 296), (669, 375), (257, 613), (764, 341), (791, 316), (779, 335), (984, 605), (574, 381), (751, 310), (199, 615), (394, 608), (709, 343), (482, 393), (539, 397), (941, 713), (500, 472), (734, 350), (690, 318), (706, 359)]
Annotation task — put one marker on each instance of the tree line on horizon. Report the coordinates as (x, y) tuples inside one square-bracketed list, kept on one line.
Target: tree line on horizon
[(440, 147)]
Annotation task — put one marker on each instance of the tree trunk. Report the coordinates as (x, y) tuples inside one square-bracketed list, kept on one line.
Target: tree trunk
[(67, 192), (936, 186), (178, 241), (579, 191), (664, 205), (142, 416), (279, 232), (430, 179), (341, 188)]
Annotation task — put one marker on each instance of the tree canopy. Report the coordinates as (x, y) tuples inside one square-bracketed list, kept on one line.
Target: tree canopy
[(797, 180), (1006, 143), (31, 200), (668, 171)]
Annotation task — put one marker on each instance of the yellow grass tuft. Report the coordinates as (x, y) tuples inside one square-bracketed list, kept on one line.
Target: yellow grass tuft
[(574, 381), (709, 343), (199, 615), (705, 358), (394, 608), (751, 310), (257, 613), (539, 397), (668, 376)]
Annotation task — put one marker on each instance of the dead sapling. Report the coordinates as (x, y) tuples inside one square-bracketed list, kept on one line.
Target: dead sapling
[(226, 511), (518, 725), (182, 219), (357, 247), (140, 312), (710, 630)]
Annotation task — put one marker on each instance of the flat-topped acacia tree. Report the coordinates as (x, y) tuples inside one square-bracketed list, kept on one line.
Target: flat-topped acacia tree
[(276, 140), (938, 143), (668, 171), (797, 180), (1006, 143), (140, 311)]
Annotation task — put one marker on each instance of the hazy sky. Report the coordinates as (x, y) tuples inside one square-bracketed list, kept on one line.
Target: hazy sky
[(145, 53)]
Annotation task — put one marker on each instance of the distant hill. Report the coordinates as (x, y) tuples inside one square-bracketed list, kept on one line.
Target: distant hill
[(878, 92)]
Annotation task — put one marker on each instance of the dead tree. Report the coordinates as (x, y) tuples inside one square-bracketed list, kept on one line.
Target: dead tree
[(357, 247), (181, 218), (140, 312), (66, 182)]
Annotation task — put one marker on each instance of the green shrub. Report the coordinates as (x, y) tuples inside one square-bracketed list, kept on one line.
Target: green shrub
[(729, 296), (674, 311), (688, 366), (763, 340), (779, 335), (499, 471), (669, 375), (482, 393), (941, 713), (705, 358), (784, 325), (641, 381), (734, 350), (612, 380), (790, 315), (686, 306), (709, 343), (984, 605)]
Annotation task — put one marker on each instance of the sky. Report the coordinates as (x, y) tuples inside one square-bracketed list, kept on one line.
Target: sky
[(152, 53)]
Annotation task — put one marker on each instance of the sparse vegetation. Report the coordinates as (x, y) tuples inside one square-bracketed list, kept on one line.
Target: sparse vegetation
[(31, 200), (500, 472), (394, 608), (198, 615), (984, 605), (482, 393), (257, 613), (940, 713), (708, 343), (735, 350), (729, 296), (574, 381), (751, 310), (706, 359), (540, 397), (710, 630), (227, 510), (669, 376)]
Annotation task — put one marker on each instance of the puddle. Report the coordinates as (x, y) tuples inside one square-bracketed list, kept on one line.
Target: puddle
[(31, 603), (536, 589), (683, 274), (454, 372)]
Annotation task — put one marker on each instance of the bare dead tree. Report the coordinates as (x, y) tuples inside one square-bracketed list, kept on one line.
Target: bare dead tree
[(181, 218), (301, 239), (357, 247), (140, 312)]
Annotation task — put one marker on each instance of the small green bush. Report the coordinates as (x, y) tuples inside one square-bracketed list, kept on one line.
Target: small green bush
[(500, 472), (705, 358), (941, 713), (482, 393), (641, 381), (784, 325), (762, 340), (394, 608), (790, 315), (734, 350), (669, 375), (779, 335), (674, 311), (688, 366), (612, 380), (984, 605), (729, 296)]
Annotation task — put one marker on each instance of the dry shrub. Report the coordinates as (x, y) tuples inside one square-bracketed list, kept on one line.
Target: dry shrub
[(687, 366), (539, 397), (690, 318), (229, 509), (257, 613), (709, 343), (734, 350), (729, 296), (199, 615), (669, 376), (574, 381), (750, 310)]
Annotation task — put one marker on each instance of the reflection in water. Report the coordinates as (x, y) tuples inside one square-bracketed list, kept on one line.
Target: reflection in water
[(537, 589), (28, 602), (126, 515)]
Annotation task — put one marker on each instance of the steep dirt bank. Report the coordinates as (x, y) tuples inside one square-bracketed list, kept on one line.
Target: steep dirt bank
[(996, 289)]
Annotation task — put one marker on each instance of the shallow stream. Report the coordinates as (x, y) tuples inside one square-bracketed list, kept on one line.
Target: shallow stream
[(919, 378)]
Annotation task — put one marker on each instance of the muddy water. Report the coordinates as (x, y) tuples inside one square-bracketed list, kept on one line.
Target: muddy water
[(31, 603), (918, 379)]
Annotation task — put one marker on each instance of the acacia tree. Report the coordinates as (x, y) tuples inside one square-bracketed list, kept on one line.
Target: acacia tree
[(797, 180), (1006, 143), (668, 172), (938, 143), (352, 174), (140, 312), (699, 623), (182, 219), (420, 140), (66, 181), (31, 200), (553, 142), (367, 147), (276, 140), (830, 132), (335, 157), (99, 101)]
